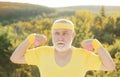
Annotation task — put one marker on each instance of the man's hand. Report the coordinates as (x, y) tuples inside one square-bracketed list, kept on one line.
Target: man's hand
[(36, 39), (91, 44), (39, 39), (87, 44)]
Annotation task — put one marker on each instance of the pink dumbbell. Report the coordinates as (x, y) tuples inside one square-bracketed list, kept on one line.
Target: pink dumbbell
[(89, 48), (37, 43)]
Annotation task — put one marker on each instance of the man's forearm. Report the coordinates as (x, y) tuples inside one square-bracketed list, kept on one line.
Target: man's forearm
[(107, 62), (106, 59), (18, 54)]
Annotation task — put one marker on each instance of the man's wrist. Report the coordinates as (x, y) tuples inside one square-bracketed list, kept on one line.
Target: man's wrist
[(31, 38), (96, 44)]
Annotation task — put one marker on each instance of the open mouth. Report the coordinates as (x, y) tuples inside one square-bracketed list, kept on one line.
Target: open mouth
[(60, 44)]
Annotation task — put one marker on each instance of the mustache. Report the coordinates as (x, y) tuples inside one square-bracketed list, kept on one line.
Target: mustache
[(60, 42)]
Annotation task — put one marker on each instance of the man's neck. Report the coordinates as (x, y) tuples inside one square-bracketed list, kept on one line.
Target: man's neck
[(63, 53), (63, 58)]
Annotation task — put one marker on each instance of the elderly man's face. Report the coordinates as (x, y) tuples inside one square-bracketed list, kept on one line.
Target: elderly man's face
[(62, 39)]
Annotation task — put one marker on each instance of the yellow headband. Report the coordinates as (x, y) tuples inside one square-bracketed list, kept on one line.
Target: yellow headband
[(62, 26)]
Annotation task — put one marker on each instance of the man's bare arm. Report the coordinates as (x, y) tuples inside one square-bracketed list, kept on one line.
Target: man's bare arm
[(107, 61), (18, 54)]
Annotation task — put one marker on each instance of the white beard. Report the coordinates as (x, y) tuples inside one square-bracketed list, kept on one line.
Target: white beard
[(61, 46)]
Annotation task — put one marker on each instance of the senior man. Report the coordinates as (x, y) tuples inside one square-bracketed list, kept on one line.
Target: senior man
[(62, 59)]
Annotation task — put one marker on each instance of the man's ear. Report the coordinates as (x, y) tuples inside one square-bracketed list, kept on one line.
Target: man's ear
[(74, 34)]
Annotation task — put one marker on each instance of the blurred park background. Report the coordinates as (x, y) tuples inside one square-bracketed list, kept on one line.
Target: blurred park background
[(18, 20)]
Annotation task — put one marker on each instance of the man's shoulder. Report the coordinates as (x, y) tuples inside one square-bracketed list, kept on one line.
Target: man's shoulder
[(81, 50), (45, 48), (78, 49)]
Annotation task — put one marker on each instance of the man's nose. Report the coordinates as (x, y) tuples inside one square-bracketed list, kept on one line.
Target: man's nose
[(61, 37)]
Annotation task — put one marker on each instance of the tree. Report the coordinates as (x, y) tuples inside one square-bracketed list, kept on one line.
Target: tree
[(117, 32), (102, 11), (5, 48)]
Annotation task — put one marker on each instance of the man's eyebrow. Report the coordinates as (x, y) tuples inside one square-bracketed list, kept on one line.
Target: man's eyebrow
[(65, 31)]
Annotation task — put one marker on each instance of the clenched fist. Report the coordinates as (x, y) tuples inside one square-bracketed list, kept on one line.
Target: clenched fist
[(36, 39), (87, 44), (91, 44), (40, 38)]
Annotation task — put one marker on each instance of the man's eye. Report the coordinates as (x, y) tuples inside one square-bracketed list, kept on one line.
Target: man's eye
[(65, 33), (56, 33)]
